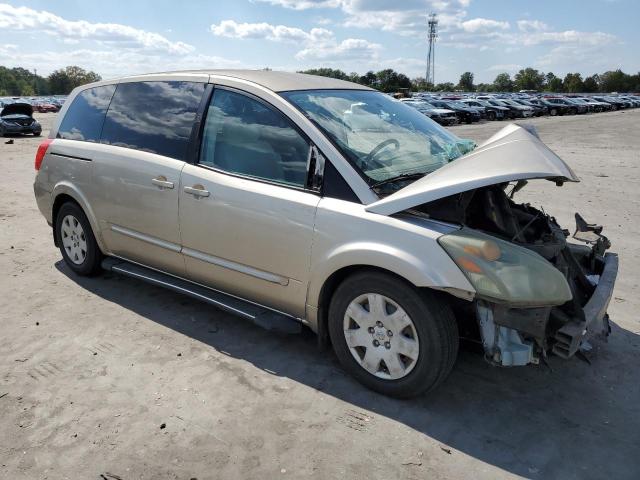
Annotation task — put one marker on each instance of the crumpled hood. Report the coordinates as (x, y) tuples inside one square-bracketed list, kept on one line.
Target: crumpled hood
[(514, 153), (17, 109)]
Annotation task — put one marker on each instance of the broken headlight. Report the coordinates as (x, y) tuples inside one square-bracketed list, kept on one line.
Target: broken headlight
[(506, 273)]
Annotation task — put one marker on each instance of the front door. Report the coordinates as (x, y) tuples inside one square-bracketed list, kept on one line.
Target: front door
[(246, 216)]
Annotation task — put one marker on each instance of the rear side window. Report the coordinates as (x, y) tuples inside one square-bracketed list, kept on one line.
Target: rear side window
[(85, 116), (155, 117), (242, 135)]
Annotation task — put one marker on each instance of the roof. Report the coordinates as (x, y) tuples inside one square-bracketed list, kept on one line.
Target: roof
[(280, 81)]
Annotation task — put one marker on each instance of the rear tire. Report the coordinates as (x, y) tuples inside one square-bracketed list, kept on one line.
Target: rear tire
[(76, 241), (415, 330), (491, 116)]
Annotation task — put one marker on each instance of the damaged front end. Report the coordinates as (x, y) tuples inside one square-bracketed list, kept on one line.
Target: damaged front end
[(531, 311), (536, 292)]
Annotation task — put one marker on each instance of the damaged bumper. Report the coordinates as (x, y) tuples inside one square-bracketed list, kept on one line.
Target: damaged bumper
[(518, 336), (596, 321)]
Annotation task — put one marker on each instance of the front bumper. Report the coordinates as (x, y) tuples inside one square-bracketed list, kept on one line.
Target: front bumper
[(596, 321), (17, 128)]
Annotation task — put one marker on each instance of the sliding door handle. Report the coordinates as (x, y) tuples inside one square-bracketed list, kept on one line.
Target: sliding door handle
[(162, 182), (197, 191)]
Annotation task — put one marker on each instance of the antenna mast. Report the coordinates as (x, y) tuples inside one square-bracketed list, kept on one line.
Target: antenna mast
[(432, 22)]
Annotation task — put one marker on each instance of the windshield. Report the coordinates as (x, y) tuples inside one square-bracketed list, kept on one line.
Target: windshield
[(381, 136)]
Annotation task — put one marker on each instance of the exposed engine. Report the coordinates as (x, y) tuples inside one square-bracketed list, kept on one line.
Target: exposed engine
[(559, 329)]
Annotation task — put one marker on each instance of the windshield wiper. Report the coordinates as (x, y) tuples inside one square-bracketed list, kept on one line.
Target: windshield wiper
[(402, 176)]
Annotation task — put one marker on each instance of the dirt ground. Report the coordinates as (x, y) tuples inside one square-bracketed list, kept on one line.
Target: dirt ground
[(109, 378)]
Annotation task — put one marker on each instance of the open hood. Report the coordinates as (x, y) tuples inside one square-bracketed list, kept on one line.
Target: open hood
[(17, 109), (514, 153)]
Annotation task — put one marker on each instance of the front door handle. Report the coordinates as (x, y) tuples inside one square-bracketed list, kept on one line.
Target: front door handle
[(197, 191), (162, 182)]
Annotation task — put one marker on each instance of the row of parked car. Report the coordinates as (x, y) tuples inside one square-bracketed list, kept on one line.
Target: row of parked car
[(466, 108), (39, 104)]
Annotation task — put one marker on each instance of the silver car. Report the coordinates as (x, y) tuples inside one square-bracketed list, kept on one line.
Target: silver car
[(293, 200)]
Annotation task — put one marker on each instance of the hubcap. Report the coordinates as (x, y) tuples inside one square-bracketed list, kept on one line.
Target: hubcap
[(381, 336), (73, 239)]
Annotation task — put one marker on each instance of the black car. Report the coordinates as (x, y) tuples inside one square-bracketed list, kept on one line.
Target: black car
[(552, 108), (573, 108), (463, 112), (492, 112), (18, 118), (614, 102), (515, 110)]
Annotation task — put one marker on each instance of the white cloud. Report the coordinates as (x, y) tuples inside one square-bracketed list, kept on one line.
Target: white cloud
[(304, 4), (232, 29), (351, 48), (532, 25), (26, 19), (568, 36), (113, 63), (476, 25), (508, 67), (317, 43)]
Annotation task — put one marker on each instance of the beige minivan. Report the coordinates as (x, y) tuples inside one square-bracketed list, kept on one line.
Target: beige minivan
[(293, 200)]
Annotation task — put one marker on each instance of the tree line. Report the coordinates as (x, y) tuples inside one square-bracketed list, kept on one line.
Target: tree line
[(389, 80), (20, 82)]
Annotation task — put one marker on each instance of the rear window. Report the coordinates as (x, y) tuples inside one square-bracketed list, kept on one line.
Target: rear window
[(85, 116), (155, 117)]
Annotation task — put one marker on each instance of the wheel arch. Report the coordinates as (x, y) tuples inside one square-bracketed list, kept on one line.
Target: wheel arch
[(404, 269), (66, 192)]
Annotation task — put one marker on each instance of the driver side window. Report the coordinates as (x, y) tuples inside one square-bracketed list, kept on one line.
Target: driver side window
[(245, 136)]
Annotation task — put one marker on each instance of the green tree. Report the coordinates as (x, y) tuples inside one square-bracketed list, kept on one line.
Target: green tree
[(327, 72), (553, 83), (591, 84), (64, 80), (529, 79), (614, 81), (573, 83), (420, 84), (466, 82), (445, 87), (503, 83), (369, 79), (484, 87)]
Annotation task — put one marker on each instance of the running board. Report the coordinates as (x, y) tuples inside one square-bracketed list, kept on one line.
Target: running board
[(259, 315)]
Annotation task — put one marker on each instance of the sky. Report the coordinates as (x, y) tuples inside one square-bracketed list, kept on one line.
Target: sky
[(486, 37)]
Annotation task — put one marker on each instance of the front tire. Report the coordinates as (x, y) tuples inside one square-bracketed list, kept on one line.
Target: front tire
[(392, 337), (76, 240)]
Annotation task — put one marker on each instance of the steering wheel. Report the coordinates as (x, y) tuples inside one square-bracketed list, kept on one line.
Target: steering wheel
[(378, 148)]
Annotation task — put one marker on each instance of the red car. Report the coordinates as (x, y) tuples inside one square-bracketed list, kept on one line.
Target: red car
[(45, 107)]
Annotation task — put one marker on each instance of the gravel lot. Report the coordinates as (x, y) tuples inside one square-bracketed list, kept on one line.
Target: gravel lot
[(109, 378)]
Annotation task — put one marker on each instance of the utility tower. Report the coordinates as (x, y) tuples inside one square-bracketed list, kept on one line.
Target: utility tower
[(432, 22)]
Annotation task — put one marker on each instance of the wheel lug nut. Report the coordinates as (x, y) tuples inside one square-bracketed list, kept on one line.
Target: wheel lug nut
[(389, 333), (370, 329), (387, 345), (379, 323), (376, 343)]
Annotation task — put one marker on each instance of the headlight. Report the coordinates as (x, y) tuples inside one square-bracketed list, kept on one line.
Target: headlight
[(506, 273)]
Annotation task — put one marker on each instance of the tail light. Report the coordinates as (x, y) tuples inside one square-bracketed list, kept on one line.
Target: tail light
[(42, 150)]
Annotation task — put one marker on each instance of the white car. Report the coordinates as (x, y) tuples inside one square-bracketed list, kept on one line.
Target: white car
[(292, 199)]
